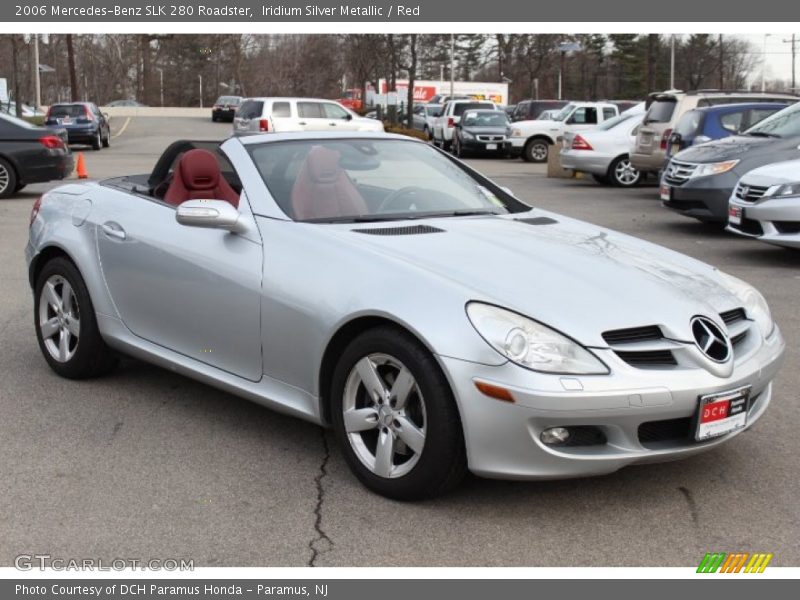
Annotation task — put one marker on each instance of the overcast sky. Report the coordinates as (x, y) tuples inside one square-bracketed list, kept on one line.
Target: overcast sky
[(778, 55)]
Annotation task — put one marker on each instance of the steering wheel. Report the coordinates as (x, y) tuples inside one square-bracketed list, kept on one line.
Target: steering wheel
[(389, 203)]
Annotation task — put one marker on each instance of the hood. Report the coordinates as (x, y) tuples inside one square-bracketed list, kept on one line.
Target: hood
[(576, 277), (787, 171), (733, 147)]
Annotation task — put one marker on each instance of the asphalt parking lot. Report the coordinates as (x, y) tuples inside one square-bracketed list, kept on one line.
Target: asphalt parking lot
[(147, 464)]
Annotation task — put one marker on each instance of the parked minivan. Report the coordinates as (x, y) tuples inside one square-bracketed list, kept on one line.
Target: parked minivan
[(701, 125), (262, 115), (665, 108)]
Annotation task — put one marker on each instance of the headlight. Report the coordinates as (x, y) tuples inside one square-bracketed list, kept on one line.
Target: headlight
[(516, 133), (467, 135), (715, 168), (531, 344), (787, 190), (754, 304)]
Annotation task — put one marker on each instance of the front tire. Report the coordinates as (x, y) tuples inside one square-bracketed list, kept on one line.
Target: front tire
[(66, 327), (536, 151), (395, 417), (107, 139)]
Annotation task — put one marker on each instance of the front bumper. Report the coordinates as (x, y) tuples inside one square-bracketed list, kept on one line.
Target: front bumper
[(775, 221), (514, 145), (703, 198), (476, 145), (503, 439), (83, 135)]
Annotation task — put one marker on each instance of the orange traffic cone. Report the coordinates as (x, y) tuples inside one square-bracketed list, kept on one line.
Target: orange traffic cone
[(81, 167)]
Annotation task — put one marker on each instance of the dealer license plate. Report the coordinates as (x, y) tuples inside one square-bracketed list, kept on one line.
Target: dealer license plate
[(722, 413), (666, 192), (735, 214), (491, 146), (675, 148)]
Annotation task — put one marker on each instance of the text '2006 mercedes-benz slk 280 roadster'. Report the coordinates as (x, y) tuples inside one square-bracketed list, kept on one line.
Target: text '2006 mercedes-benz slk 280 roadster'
[(374, 284)]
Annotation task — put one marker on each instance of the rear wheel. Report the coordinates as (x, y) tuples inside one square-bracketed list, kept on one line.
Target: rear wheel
[(395, 417), (622, 174), (8, 179), (107, 139), (66, 327), (536, 151), (97, 141), (458, 148)]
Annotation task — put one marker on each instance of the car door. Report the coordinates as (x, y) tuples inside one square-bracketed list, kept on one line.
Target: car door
[(191, 290), (338, 118), (311, 117)]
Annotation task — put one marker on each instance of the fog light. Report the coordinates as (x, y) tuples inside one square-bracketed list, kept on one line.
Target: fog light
[(555, 436)]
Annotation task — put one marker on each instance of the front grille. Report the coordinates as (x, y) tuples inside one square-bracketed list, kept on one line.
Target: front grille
[(491, 138), (750, 193), (678, 173), (733, 316), (648, 358), (750, 227), (632, 335), (653, 432), (407, 230), (737, 339), (787, 226)]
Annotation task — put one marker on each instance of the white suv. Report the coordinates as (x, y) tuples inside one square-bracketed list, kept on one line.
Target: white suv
[(444, 124), (532, 139), (262, 115)]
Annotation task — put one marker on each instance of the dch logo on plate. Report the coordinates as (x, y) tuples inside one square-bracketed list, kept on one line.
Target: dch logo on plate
[(735, 562)]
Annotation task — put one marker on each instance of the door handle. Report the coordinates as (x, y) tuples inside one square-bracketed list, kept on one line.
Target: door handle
[(113, 230), (301, 122), (332, 124)]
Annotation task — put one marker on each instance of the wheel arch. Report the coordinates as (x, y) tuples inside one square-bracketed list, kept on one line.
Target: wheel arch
[(345, 334), (44, 256), (540, 136), (14, 165)]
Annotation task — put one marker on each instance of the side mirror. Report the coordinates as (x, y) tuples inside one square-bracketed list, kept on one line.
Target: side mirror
[(211, 214), (507, 190), (348, 117)]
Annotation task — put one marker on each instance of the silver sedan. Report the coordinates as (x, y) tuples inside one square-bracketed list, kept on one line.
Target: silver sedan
[(374, 284), (766, 204), (603, 151)]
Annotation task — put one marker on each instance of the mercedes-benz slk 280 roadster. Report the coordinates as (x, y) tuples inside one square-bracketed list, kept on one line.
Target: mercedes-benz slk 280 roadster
[(374, 284)]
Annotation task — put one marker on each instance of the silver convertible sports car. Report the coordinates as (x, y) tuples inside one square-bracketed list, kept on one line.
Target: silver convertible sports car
[(374, 284)]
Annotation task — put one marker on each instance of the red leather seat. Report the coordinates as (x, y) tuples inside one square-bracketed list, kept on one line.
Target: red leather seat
[(198, 177), (323, 190)]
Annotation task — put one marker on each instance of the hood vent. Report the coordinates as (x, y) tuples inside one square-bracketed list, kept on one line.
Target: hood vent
[(538, 221), (406, 230)]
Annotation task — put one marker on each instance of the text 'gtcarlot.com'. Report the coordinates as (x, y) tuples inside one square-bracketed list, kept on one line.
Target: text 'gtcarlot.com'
[(28, 562)]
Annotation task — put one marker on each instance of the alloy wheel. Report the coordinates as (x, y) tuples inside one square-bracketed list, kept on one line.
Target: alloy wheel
[(384, 415), (5, 179), (59, 318), (625, 174)]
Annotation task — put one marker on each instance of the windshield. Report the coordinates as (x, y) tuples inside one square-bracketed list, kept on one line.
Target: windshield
[(460, 107), (67, 110), (433, 110), (564, 112), (228, 100), (372, 180), (12, 119), (785, 123), (660, 111), (611, 123), (485, 119)]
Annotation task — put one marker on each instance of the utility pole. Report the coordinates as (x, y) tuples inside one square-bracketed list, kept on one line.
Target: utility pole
[(672, 62), (794, 52), (452, 64), (200, 78), (721, 64), (764, 65), (37, 81)]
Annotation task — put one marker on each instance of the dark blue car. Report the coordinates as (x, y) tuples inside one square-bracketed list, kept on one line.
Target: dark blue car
[(84, 122), (701, 125)]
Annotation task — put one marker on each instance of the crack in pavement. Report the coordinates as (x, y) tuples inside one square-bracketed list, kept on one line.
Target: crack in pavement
[(321, 543)]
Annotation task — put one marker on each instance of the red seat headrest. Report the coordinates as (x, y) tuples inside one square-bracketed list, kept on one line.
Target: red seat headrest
[(199, 170)]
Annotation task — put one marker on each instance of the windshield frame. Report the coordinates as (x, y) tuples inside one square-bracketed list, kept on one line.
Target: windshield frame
[(511, 204)]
